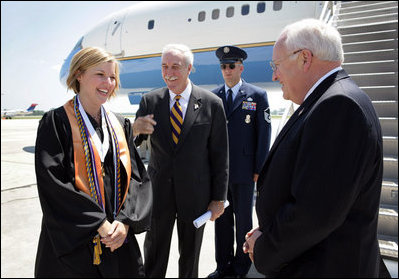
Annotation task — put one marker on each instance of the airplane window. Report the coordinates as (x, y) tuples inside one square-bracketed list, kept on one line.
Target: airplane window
[(201, 16), (229, 11), (215, 14), (277, 5), (261, 7), (245, 9), (150, 24)]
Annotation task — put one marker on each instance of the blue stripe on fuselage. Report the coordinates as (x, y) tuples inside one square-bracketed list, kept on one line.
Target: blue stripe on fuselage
[(146, 72)]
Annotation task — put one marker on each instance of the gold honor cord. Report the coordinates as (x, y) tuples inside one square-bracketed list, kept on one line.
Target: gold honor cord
[(93, 190)]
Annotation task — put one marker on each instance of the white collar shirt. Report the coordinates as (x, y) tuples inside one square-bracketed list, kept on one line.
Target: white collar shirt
[(235, 89), (321, 80)]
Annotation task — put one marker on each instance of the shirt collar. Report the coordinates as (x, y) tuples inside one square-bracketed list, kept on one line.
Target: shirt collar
[(235, 88), (321, 80), (185, 95)]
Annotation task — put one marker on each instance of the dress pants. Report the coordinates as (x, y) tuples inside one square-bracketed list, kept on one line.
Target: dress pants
[(239, 212), (157, 244)]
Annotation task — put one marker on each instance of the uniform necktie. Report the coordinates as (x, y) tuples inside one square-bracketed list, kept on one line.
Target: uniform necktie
[(229, 100), (176, 118)]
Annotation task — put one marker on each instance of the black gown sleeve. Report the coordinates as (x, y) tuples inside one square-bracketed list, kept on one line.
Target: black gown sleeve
[(70, 216), (136, 210)]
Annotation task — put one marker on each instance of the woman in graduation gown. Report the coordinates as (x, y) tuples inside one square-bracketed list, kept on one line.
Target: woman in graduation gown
[(93, 187)]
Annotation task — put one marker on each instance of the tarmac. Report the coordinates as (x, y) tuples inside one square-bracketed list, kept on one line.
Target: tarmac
[(21, 213)]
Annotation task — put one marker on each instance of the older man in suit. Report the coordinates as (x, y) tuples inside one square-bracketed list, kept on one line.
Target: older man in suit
[(189, 161), (319, 189)]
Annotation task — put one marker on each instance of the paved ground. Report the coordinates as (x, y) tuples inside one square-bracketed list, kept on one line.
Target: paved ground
[(21, 213)]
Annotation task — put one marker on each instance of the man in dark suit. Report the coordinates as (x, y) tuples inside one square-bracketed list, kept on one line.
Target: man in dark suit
[(188, 166), (248, 115), (319, 189)]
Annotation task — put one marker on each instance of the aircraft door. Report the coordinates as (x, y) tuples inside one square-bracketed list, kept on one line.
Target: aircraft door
[(113, 41)]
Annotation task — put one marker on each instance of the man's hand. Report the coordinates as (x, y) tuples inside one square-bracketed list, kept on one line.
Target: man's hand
[(250, 239), (144, 125), (217, 209)]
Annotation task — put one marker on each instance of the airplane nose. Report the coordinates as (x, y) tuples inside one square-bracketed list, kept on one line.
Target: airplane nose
[(64, 72)]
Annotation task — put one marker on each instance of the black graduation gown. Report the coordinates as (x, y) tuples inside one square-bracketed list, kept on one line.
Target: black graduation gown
[(71, 217)]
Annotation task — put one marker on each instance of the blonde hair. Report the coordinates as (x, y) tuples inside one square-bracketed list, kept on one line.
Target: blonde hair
[(86, 58)]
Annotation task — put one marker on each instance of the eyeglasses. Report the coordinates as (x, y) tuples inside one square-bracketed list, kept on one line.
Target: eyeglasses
[(273, 64), (231, 66)]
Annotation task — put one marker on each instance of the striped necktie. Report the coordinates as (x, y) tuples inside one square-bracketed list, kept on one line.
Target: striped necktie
[(176, 118)]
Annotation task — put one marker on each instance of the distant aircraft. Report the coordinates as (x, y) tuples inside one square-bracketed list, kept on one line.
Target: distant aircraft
[(137, 34), (8, 114)]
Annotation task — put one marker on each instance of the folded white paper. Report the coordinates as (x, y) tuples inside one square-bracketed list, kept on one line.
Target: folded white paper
[(206, 216)]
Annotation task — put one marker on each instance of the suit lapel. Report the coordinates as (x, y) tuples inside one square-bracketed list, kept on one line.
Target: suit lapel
[(164, 122), (303, 109), (241, 95), (193, 109)]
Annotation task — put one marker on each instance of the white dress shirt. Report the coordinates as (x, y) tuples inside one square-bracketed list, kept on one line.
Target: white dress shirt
[(234, 89), (320, 81)]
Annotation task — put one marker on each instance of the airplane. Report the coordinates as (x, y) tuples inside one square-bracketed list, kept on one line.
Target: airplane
[(8, 114), (137, 34)]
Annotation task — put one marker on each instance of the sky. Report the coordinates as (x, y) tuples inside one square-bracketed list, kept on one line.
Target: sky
[(36, 37)]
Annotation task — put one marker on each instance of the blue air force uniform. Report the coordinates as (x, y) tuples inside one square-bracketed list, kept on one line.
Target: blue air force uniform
[(249, 130)]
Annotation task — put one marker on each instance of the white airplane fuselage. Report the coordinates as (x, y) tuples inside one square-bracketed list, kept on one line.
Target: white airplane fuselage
[(136, 36), (9, 113)]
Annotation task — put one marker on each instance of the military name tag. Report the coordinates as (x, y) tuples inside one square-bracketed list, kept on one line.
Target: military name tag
[(248, 105)]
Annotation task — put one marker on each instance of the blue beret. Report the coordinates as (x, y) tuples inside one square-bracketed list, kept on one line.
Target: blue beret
[(230, 54)]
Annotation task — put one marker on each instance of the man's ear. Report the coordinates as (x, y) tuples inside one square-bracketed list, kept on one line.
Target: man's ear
[(306, 58)]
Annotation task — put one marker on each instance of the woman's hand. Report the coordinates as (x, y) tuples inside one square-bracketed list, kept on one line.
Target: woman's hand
[(116, 235)]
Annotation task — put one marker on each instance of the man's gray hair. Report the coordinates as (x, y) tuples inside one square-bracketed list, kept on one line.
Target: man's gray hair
[(185, 50), (323, 40)]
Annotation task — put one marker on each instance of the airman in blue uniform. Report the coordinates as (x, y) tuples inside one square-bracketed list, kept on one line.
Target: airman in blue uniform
[(249, 129)]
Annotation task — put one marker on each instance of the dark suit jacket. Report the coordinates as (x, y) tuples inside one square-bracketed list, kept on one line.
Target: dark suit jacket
[(197, 168), (319, 190), (249, 131)]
